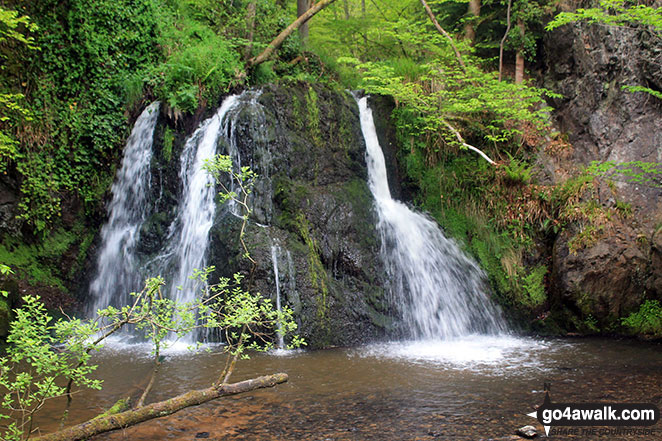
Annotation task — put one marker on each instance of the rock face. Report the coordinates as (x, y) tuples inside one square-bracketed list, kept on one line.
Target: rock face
[(312, 225), (312, 215), (588, 65)]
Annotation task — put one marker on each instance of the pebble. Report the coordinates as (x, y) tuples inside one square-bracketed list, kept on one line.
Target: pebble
[(527, 432)]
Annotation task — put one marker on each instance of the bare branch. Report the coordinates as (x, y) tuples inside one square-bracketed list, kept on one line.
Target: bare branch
[(463, 142)]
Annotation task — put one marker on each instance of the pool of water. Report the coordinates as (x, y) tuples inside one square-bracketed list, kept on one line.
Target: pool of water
[(471, 388)]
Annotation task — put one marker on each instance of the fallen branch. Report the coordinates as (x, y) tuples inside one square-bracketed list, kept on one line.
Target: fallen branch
[(278, 41), (163, 408), (463, 142)]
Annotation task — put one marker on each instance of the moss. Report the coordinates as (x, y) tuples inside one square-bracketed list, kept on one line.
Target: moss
[(5, 317), (317, 273), (287, 196), (313, 116), (39, 263), (168, 141), (357, 194), (297, 120)]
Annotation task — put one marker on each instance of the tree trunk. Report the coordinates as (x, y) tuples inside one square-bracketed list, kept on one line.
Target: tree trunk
[(519, 56), (162, 408), (469, 30), (503, 40), (275, 44), (250, 24), (443, 32), (302, 7)]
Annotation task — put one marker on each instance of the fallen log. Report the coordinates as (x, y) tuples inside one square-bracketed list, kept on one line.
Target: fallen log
[(128, 418)]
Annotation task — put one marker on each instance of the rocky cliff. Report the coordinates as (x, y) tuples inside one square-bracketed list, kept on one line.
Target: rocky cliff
[(620, 266)]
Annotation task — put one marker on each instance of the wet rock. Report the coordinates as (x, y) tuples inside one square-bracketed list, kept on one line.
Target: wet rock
[(312, 202), (527, 432)]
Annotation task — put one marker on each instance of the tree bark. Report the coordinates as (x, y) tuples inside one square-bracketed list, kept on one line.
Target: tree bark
[(162, 408), (519, 56), (250, 24), (503, 40), (302, 7), (445, 34), (275, 44), (469, 30)]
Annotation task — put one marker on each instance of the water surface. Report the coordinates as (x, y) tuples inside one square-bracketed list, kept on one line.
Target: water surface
[(468, 389)]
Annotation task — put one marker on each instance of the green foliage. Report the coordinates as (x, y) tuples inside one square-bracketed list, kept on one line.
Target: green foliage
[(647, 320), (31, 371), (634, 89), (613, 13), (534, 287), (37, 262), (591, 323), (447, 93), (202, 71), (4, 272), (636, 172), (76, 93), (518, 172)]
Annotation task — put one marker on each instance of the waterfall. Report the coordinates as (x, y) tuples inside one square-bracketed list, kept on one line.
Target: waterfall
[(188, 236), (437, 288), (275, 251), (116, 274), (119, 270)]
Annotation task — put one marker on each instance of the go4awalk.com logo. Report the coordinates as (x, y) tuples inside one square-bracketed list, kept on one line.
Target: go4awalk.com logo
[(639, 416)]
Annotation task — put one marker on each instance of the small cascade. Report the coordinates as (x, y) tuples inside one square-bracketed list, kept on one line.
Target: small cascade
[(256, 130), (438, 289), (188, 236), (275, 252), (116, 274)]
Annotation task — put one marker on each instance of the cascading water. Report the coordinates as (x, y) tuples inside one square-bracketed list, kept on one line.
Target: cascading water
[(188, 236), (116, 274), (275, 251), (439, 290)]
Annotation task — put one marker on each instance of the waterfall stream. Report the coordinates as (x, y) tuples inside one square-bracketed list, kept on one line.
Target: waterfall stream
[(275, 252), (439, 291), (188, 237), (116, 274)]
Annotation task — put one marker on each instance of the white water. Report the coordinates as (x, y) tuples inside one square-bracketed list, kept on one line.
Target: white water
[(275, 251), (189, 232), (116, 274), (481, 353), (439, 291)]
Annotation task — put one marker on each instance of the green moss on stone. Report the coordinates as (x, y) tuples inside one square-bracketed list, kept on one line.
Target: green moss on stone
[(317, 272)]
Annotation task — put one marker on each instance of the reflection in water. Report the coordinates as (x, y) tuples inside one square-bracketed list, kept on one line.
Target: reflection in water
[(470, 389)]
